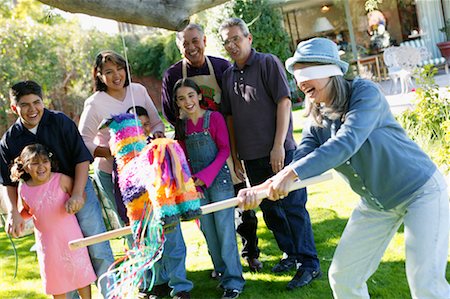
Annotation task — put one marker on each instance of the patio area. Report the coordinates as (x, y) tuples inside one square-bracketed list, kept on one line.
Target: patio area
[(400, 102)]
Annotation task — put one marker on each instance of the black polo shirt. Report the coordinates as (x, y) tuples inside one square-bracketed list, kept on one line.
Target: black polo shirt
[(57, 132), (251, 95)]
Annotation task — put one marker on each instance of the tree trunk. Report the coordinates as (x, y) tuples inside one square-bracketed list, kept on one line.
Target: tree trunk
[(168, 14)]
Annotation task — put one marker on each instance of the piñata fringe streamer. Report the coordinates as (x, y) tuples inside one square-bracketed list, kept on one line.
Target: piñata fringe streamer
[(127, 274), (158, 191)]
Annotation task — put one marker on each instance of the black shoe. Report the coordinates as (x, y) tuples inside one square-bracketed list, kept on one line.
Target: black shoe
[(158, 291), (303, 277), (285, 265), (230, 294)]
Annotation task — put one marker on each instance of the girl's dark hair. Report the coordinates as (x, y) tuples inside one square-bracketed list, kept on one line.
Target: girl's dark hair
[(180, 131), (29, 153), (100, 60)]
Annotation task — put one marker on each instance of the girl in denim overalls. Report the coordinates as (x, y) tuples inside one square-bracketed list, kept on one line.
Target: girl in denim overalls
[(204, 135)]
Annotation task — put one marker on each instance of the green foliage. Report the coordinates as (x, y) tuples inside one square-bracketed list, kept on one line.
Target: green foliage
[(266, 25), (56, 56), (145, 57), (429, 122), (171, 53), (152, 55), (5, 8), (29, 9), (37, 44), (26, 54), (37, 12)]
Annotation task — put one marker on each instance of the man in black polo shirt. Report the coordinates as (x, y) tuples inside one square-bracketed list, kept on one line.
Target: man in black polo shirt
[(255, 100), (36, 124)]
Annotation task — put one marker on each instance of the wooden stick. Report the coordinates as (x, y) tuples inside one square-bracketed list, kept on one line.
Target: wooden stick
[(232, 202), (206, 209)]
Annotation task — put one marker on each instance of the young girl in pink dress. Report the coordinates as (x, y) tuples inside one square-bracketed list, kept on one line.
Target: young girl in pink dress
[(43, 195)]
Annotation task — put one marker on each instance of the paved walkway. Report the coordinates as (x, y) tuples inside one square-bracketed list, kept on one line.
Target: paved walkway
[(400, 102)]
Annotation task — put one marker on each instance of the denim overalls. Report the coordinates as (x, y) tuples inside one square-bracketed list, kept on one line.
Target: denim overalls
[(218, 227)]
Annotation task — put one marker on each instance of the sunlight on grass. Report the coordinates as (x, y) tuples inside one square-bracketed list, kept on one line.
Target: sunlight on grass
[(298, 121)]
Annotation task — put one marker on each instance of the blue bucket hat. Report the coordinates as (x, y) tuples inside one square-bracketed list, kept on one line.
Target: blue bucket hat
[(320, 50)]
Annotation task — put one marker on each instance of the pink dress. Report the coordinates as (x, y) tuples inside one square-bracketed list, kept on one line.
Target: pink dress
[(62, 270)]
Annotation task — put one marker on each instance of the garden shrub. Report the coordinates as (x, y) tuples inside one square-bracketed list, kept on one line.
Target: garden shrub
[(429, 122)]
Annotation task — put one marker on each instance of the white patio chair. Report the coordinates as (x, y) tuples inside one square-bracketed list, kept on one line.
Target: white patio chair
[(408, 59), (401, 63), (392, 66), (427, 57)]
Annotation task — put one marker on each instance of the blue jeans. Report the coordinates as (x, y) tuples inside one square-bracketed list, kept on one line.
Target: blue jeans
[(288, 218), (220, 233), (218, 227), (91, 223), (171, 268), (106, 185)]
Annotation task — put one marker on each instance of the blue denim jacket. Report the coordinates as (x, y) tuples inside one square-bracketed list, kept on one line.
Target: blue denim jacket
[(370, 148)]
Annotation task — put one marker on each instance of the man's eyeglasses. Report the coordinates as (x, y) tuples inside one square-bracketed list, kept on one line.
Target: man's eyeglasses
[(235, 40)]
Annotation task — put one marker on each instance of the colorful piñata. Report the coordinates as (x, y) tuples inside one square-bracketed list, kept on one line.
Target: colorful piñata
[(156, 173), (157, 190)]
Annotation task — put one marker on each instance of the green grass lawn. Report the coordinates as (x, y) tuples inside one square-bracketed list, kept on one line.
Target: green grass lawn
[(330, 204)]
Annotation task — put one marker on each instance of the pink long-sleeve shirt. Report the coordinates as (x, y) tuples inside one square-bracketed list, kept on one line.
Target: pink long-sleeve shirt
[(101, 105), (219, 134)]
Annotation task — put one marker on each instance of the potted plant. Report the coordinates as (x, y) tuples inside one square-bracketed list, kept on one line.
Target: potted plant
[(444, 47)]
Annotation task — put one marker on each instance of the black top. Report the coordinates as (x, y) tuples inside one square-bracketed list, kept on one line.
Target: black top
[(57, 132), (251, 95)]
